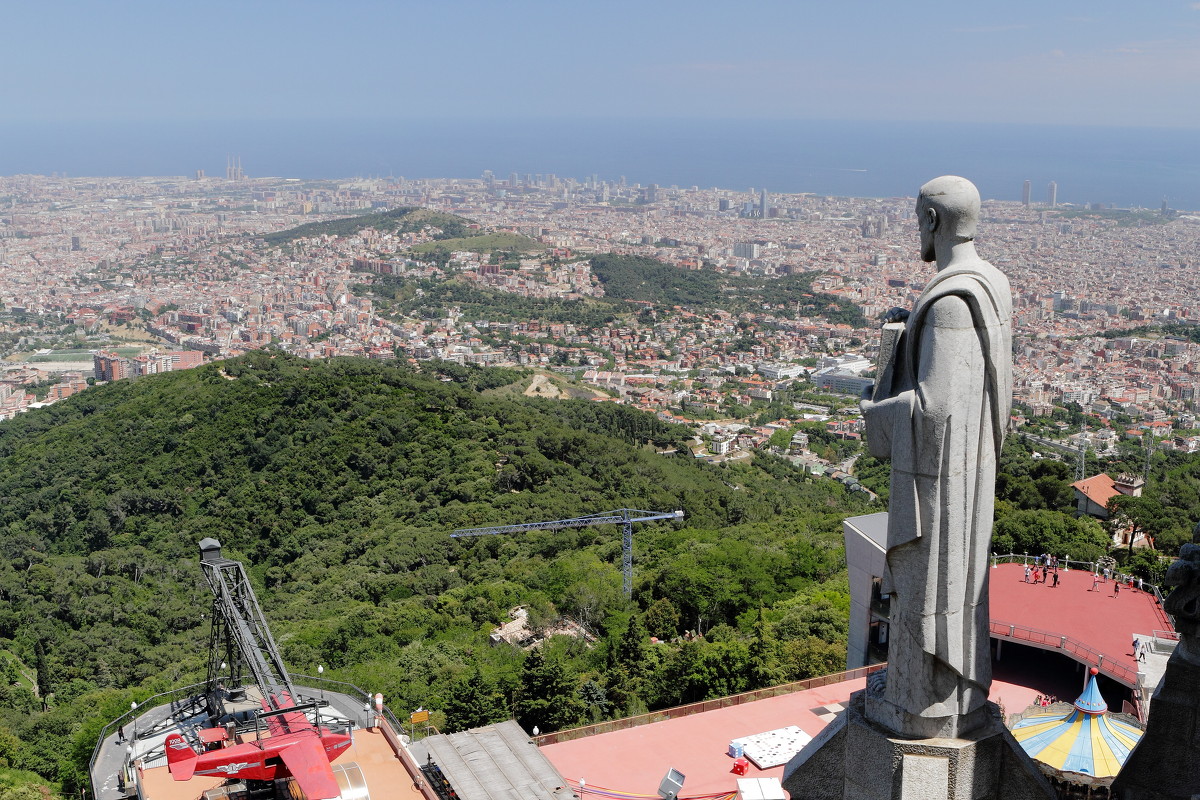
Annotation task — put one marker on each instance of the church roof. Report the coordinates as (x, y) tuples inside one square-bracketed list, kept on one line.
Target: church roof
[(495, 760), (1094, 622)]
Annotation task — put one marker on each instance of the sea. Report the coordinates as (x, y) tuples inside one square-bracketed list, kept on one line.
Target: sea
[(1114, 166)]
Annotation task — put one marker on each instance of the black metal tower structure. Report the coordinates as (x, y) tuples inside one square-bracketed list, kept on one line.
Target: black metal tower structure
[(240, 637)]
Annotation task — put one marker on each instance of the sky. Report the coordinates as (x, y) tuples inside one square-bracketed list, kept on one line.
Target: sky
[(1056, 62)]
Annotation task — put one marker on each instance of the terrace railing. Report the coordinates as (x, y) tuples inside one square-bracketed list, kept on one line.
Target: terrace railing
[(1107, 663), (1091, 566), (706, 705)]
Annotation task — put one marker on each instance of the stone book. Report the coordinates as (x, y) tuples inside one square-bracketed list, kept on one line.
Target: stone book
[(889, 338)]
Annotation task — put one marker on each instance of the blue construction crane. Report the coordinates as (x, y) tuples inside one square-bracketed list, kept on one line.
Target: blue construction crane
[(625, 517)]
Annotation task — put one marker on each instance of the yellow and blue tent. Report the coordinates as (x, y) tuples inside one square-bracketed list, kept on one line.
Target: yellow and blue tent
[(1086, 739)]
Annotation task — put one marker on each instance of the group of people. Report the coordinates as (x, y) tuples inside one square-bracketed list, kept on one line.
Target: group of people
[(1139, 649), (1045, 700), (1043, 571), (1106, 574)]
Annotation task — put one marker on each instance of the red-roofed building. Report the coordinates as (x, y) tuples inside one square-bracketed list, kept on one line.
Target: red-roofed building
[(1092, 494)]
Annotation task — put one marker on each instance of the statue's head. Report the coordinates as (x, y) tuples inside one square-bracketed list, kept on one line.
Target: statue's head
[(947, 211), (1184, 603)]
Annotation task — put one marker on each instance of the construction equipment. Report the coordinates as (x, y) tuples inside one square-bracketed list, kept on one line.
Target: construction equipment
[(625, 517)]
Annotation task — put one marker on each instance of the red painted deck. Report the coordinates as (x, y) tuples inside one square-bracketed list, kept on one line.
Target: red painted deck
[(1103, 621), (633, 761)]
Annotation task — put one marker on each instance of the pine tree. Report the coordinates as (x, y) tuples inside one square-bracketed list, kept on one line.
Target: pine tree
[(764, 669), (42, 669), (473, 702), (627, 668), (595, 700), (547, 698), (631, 648)]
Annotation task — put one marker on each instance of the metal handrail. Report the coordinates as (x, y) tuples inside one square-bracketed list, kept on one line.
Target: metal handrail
[(368, 698), (197, 688), (183, 691), (704, 705), (323, 682), (1090, 566), (1105, 662)]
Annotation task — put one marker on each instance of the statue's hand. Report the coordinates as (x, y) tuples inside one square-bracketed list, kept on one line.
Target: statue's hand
[(896, 314)]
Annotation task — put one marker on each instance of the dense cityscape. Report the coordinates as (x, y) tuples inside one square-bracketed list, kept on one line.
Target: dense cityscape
[(175, 267), (479, 400)]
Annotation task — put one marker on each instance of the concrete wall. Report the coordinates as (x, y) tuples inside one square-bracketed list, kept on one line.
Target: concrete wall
[(866, 557)]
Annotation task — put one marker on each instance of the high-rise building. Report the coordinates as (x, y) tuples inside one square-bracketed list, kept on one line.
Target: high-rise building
[(1052, 195), (1025, 193), (762, 204), (110, 366)]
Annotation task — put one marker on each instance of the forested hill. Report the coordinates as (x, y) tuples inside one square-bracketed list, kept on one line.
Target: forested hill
[(407, 219), (267, 452), (338, 483), (646, 279)]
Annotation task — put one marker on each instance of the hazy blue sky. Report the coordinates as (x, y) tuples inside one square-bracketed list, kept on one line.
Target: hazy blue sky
[(1025, 61)]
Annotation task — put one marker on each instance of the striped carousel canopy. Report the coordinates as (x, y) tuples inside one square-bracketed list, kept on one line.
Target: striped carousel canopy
[(1087, 739)]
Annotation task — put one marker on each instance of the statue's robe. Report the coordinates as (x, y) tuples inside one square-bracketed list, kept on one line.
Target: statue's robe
[(940, 414)]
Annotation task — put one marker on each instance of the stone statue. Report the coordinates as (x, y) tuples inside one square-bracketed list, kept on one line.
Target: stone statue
[(939, 411), (1184, 603), (1164, 765)]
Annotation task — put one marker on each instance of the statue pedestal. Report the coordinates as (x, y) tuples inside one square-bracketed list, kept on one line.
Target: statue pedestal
[(1165, 765), (855, 759)]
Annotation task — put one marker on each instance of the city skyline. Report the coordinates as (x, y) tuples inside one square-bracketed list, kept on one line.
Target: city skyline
[(179, 258), (1121, 167), (670, 93)]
